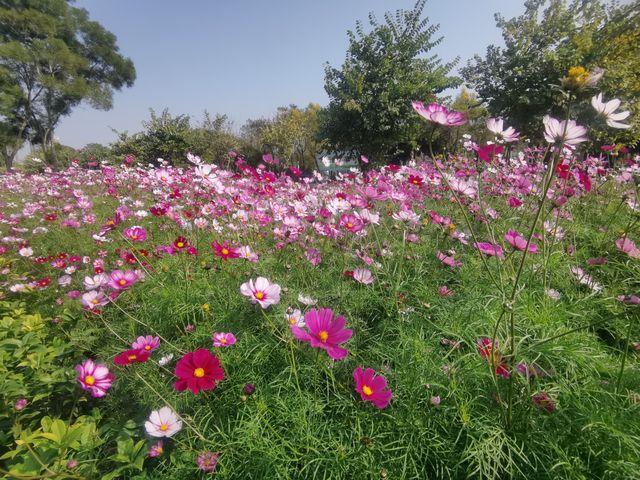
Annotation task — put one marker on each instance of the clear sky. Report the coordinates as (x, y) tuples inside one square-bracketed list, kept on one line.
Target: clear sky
[(247, 57)]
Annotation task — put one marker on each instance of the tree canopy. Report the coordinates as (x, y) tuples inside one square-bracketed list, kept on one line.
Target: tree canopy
[(53, 57), (540, 47), (384, 70)]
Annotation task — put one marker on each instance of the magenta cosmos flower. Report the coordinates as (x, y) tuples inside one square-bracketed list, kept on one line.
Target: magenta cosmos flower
[(221, 339), (262, 291), (324, 331), (518, 242), (94, 377), (147, 343), (438, 114), (490, 249), (135, 234), (371, 387), (199, 370), (121, 280)]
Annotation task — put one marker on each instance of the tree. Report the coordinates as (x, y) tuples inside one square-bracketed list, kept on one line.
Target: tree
[(58, 58), (214, 138), (292, 135), (542, 44), (385, 69)]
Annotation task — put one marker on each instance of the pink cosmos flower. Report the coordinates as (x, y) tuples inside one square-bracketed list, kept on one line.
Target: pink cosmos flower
[(95, 378), (628, 246), (445, 292), (448, 261), (324, 331), (262, 291), (438, 114), (207, 461), (156, 449), (247, 253), (121, 280), (313, 256), (363, 275), (490, 249), (163, 423), (221, 339), (518, 242), (147, 343), (371, 387), (556, 131), (489, 351), (135, 234), (224, 250), (94, 299), (544, 402), (351, 223)]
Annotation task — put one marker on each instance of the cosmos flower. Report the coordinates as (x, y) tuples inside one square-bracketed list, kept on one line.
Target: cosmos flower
[(221, 339), (163, 423), (147, 343), (627, 246), (224, 250), (262, 291), (199, 370), (489, 350), (544, 402), (207, 461), (490, 249), (371, 387), (363, 275), (438, 114), (518, 242), (121, 280), (607, 110), (94, 299), (563, 132), (94, 377), (324, 331), (496, 125), (135, 234), (132, 356)]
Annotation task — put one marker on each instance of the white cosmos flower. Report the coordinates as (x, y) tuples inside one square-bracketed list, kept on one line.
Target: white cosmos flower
[(163, 423), (569, 133), (607, 110)]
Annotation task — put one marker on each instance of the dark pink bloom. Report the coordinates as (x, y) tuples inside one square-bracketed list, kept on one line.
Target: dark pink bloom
[(490, 249), (544, 402), (518, 242), (94, 377), (371, 387), (351, 223), (199, 370), (488, 350), (207, 461), (324, 331), (224, 250), (489, 152), (449, 261)]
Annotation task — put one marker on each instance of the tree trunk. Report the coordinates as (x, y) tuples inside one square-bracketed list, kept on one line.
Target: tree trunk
[(9, 154)]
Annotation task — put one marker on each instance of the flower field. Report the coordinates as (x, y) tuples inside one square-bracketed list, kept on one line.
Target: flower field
[(474, 317)]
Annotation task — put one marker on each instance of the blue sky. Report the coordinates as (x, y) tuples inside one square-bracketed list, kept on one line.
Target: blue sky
[(247, 57)]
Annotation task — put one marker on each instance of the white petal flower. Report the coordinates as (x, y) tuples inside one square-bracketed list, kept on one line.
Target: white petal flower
[(163, 423)]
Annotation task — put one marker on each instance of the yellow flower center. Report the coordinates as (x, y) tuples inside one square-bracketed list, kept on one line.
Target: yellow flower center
[(576, 72), (147, 347), (198, 372), (122, 282), (159, 450), (223, 340), (179, 244), (224, 251), (292, 320), (133, 237), (131, 357), (94, 301), (259, 295), (349, 225), (89, 380), (323, 335), (164, 427), (367, 390)]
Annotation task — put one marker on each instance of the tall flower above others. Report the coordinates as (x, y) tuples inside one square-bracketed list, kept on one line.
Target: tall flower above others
[(94, 377), (496, 125), (199, 370), (372, 387), (579, 78), (163, 423), (556, 131), (438, 114), (607, 109), (262, 291), (121, 280), (324, 331)]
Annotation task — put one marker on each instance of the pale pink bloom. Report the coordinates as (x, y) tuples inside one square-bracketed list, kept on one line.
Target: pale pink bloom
[(262, 291), (221, 339), (147, 343), (25, 252), (586, 279), (246, 252), (97, 281), (438, 114), (607, 109), (294, 317), (444, 291), (363, 275), (496, 125), (313, 256), (94, 299), (628, 246), (306, 300), (556, 131), (163, 423)]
